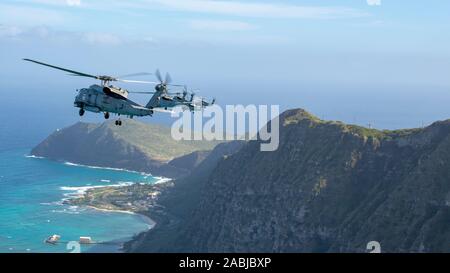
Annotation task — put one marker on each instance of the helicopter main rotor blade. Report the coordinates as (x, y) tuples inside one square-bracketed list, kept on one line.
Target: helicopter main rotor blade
[(64, 69), (135, 75), (132, 81)]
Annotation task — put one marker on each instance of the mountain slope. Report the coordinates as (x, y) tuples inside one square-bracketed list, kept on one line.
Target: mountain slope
[(177, 203), (330, 187), (133, 146)]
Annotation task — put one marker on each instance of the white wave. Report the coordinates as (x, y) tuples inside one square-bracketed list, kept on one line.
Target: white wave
[(70, 210), (161, 180), (55, 203), (123, 183), (80, 191), (77, 191), (66, 211), (105, 180), (106, 168), (34, 156), (73, 164)]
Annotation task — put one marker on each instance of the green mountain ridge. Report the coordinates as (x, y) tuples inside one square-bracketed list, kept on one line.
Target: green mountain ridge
[(134, 146), (156, 141), (330, 187)]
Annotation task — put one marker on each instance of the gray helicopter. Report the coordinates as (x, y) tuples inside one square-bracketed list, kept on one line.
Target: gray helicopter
[(107, 98)]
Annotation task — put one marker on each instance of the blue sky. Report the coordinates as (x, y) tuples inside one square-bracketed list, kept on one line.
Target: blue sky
[(258, 51), (334, 39)]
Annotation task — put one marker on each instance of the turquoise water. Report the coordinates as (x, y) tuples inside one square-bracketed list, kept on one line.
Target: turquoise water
[(31, 209)]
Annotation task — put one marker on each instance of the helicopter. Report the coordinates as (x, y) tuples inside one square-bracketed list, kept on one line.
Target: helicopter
[(106, 98)]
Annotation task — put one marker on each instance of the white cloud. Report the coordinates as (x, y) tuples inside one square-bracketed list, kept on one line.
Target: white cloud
[(29, 16), (27, 34), (272, 9), (44, 33), (218, 25), (73, 2), (263, 10), (10, 31), (374, 2), (101, 38)]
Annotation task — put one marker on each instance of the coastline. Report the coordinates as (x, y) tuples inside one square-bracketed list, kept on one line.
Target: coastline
[(68, 163), (78, 196), (149, 221), (120, 246), (108, 199)]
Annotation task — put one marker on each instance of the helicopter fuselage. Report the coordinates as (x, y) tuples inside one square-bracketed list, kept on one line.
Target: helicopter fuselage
[(96, 99), (161, 99)]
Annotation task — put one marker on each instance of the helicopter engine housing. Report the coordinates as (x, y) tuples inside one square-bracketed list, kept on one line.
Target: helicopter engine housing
[(115, 92)]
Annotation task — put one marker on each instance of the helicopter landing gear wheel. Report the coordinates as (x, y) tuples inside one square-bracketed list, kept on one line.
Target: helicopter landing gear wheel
[(118, 122), (106, 115), (81, 112)]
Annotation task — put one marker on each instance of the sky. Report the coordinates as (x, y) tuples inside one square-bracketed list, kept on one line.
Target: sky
[(331, 57)]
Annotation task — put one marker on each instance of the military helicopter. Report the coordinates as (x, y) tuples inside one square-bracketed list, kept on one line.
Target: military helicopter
[(170, 100), (107, 98), (162, 98)]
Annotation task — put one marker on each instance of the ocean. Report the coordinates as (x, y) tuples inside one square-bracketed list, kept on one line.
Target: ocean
[(31, 208)]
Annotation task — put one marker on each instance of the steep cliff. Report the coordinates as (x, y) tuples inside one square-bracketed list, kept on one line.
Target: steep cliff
[(330, 187), (175, 204)]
